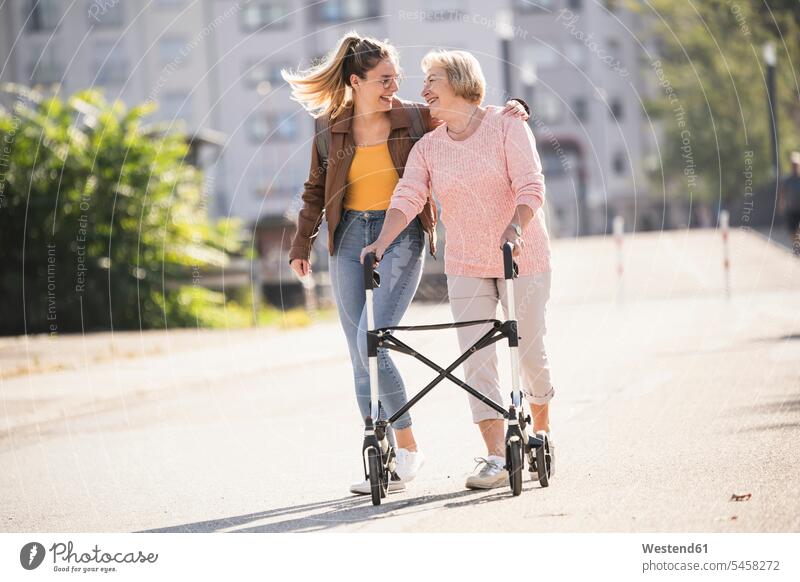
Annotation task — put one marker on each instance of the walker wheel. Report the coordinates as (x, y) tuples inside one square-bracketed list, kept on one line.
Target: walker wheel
[(543, 462), (376, 485), (514, 466)]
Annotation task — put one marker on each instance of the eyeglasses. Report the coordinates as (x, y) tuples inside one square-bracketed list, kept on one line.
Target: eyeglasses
[(387, 81)]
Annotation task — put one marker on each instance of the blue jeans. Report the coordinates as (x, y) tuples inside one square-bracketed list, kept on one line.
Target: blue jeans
[(400, 270)]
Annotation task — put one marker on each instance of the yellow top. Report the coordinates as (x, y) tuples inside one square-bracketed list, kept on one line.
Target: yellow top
[(371, 179)]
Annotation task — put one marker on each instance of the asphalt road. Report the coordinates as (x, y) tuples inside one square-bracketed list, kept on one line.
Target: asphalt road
[(670, 400)]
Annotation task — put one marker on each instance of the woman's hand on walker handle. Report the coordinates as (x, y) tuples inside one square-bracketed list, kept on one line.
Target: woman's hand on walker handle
[(301, 267), (394, 223), (377, 247), (510, 235), (523, 214)]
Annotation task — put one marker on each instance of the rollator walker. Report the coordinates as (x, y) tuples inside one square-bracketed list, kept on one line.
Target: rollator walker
[(379, 456)]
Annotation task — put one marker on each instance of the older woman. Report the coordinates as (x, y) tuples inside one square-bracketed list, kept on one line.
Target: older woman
[(484, 169)]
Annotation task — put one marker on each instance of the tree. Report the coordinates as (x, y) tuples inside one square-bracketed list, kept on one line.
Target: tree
[(712, 97), (102, 224)]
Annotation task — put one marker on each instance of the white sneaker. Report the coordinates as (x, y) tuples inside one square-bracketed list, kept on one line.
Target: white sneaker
[(363, 488), (488, 473), (408, 464)]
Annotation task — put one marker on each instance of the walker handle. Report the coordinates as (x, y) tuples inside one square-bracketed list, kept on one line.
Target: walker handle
[(510, 267), (372, 280)]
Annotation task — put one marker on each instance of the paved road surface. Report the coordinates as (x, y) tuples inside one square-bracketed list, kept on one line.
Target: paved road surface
[(670, 399)]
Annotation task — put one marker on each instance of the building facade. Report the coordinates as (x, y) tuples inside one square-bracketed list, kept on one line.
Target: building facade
[(215, 65)]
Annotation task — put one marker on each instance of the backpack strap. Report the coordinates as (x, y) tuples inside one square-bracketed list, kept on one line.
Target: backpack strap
[(417, 123), (322, 136)]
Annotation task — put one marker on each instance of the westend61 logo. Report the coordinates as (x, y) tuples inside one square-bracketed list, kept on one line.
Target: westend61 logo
[(33, 553)]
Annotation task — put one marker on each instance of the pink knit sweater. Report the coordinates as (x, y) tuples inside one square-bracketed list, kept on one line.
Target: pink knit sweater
[(478, 183)]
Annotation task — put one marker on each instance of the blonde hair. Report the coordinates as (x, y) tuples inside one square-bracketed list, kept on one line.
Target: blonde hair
[(463, 72), (324, 89)]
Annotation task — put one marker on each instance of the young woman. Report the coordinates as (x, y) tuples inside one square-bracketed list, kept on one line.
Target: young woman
[(357, 157), (486, 174)]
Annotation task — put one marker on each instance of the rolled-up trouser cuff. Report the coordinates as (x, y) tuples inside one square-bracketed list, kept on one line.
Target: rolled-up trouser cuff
[(539, 400)]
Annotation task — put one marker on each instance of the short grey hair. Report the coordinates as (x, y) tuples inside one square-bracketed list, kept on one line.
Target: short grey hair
[(463, 72)]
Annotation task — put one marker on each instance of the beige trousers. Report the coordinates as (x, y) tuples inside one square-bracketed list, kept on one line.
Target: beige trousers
[(476, 298)]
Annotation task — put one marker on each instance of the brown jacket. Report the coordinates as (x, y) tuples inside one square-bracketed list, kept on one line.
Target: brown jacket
[(324, 190)]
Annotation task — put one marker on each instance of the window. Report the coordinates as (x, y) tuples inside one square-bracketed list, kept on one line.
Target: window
[(575, 4), (443, 10), (576, 55), (614, 49), (42, 15), (446, 5), (618, 163), (552, 164), (105, 13), (580, 109), (175, 105), (341, 10), (616, 109), (534, 5), (48, 70), (548, 108), (264, 71), (257, 128), (282, 187), (276, 199), (271, 127), (541, 55), (172, 49), (258, 15), (109, 62)]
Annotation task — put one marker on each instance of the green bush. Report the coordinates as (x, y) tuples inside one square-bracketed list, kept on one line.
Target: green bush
[(100, 216)]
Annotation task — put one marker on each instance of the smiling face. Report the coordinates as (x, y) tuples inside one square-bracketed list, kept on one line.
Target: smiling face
[(376, 91), (438, 93)]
